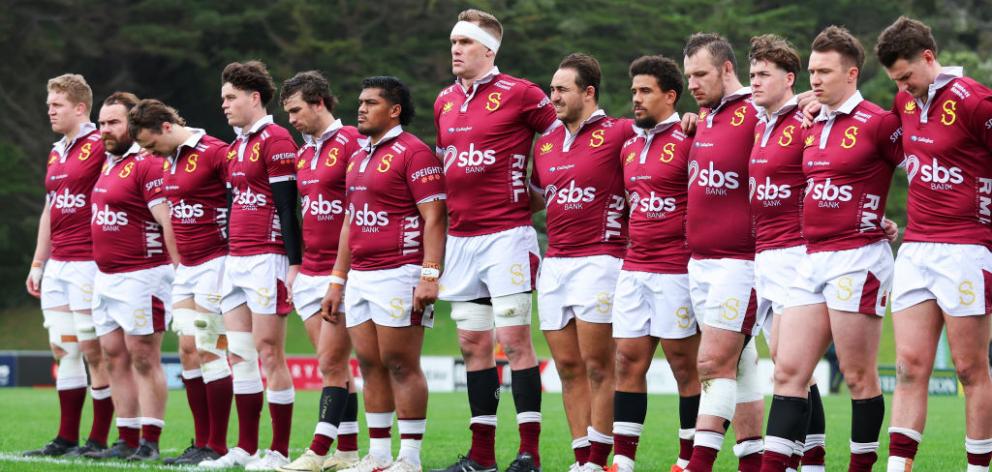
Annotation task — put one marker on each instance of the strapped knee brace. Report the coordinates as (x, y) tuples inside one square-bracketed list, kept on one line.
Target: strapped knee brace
[(472, 316), (719, 398), (183, 320), (748, 379), (512, 310), (85, 329), (246, 374)]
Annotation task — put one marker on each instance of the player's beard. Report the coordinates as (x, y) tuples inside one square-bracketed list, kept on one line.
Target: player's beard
[(116, 146), (647, 122)]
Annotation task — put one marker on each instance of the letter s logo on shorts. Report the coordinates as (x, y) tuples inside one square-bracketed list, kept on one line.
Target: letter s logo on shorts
[(967, 293), (517, 274)]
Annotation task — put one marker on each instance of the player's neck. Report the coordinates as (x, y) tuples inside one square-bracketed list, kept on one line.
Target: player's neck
[(731, 84), (376, 137), (934, 70), (775, 107), (255, 117), (73, 132), (181, 134), (587, 111), (468, 81), (847, 96), (323, 122)]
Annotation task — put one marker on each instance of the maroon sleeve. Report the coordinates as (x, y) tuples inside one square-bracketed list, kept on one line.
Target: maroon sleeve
[(151, 172), (980, 121), (424, 176), (535, 110), (280, 155), (888, 138)]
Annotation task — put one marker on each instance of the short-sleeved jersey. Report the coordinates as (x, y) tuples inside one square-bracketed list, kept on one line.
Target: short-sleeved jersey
[(258, 157), (776, 183), (385, 183), (195, 182), (320, 178), (719, 213), (850, 154), (656, 179), (126, 237), (73, 167), (947, 141), (484, 135), (582, 182)]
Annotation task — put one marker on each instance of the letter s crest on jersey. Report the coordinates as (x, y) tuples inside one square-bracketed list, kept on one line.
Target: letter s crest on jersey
[(494, 100), (949, 115), (597, 139), (85, 151), (739, 115)]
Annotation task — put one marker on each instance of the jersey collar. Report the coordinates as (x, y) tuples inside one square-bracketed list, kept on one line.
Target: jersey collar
[(370, 147), (845, 109), (113, 159), (570, 138), (261, 123), (946, 75), (741, 92), (63, 145), (328, 133), (485, 79), (661, 127), (765, 117)]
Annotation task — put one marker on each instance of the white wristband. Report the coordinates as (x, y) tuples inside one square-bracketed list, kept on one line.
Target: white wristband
[(430, 273), (337, 280)]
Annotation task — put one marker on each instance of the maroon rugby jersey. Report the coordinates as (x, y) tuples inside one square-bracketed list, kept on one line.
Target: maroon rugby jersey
[(196, 186), (719, 214), (948, 147), (126, 236), (73, 167), (385, 183), (776, 183), (485, 135), (258, 157), (848, 160), (320, 178), (655, 175), (582, 183)]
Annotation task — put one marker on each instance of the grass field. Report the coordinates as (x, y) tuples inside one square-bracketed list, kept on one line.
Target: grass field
[(29, 418)]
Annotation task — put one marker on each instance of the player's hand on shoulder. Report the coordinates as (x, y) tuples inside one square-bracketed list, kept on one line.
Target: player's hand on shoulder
[(689, 121), (810, 107)]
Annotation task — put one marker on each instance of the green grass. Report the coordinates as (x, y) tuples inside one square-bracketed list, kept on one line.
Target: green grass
[(29, 418), (20, 329)]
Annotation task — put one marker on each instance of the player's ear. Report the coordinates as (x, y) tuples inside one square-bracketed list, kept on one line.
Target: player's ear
[(395, 111)]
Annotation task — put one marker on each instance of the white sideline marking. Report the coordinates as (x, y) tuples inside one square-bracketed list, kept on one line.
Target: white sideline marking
[(16, 457)]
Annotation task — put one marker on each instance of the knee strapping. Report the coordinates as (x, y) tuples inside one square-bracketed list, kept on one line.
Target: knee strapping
[(748, 379), (183, 320), (85, 329), (242, 344), (472, 316), (216, 369), (512, 306), (719, 398)]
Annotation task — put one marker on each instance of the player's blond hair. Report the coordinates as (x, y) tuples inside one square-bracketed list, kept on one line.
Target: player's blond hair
[(74, 87), (485, 20)]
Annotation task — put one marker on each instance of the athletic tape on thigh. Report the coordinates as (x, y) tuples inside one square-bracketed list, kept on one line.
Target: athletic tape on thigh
[(472, 316), (85, 329), (183, 320), (514, 305)]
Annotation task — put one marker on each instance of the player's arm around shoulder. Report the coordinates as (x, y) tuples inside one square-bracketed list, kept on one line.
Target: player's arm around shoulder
[(153, 178)]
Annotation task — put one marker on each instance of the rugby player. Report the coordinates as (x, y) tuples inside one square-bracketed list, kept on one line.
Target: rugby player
[(942, 270), (721, 269), (320, 171), (841, 287), (485, 125), (62, 270), (195, 183), (264, 257), (652, 294), (776, 186), (390, 250), (135, 250), (578, 177)]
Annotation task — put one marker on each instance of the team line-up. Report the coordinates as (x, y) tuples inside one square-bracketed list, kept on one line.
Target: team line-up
[(764, 211)]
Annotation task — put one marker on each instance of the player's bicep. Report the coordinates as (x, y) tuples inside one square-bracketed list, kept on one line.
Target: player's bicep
[(281, 160)]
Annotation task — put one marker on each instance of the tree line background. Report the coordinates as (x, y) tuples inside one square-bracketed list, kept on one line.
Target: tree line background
[(174, 50)]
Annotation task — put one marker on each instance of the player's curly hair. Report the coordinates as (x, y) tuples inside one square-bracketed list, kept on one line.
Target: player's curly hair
[(396, 92), (906, 38), (664, 70), (313, 88), (777, 50), (840, 40), (150, 114), (251, 76)]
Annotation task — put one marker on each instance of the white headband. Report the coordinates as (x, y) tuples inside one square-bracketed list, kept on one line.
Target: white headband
[(472, 30)]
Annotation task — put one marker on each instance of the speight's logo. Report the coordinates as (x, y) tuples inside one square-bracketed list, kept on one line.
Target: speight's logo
[(231, 154), (809, 141), (447, 107), (546, 148), (910, 107), (301, 164), (630, 158)]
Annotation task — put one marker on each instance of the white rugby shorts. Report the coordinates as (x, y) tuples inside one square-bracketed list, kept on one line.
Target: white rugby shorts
[(203, 283), (576, 287), (853, 280), (957, 276), (385, 297), (774, 272), (723, 295), (490, 265), (259, 281), (650, 304), (308, 293), (68, 283), (139, 302)]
